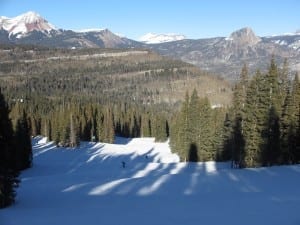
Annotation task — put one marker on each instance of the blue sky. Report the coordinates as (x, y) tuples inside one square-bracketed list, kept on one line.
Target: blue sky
[(193, 18)]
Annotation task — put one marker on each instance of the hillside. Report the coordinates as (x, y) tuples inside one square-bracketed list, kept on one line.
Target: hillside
[(106, 75), (218, 55), (226, 55), (88, 185)]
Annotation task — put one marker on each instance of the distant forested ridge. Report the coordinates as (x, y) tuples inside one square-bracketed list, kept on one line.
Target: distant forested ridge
[(95, 94)]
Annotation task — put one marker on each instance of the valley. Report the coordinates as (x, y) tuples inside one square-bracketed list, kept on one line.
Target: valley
[(219, 55), (109, 75)]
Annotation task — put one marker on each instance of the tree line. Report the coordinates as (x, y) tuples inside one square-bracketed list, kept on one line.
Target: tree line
[(261, 128)]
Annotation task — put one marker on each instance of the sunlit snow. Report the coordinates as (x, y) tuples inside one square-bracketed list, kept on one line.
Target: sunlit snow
[(88, 185)]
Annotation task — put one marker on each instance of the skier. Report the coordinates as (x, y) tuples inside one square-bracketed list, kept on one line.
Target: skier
[(123, 164)]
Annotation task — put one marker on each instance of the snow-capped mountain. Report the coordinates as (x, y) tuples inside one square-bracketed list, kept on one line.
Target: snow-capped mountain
[(31, 28), (23, 24), (152, 38), (291, 40), (220, 55), (226, 55)]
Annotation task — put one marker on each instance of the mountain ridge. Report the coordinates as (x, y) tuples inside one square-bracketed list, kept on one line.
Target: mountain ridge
[(151, 38), (25, 23), (221, 55)]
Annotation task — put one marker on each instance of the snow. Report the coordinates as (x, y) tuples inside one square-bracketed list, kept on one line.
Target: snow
[(91, 30), (87, 185), (24, 23), (152, 38), (295, 45), (280, 42)]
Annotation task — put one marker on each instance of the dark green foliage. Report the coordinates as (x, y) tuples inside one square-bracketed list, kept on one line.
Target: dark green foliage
[(23, 143), (194, 130), (180, 130), (74, 132), (8, 183), (193, 153), (271, 153), (8, 170), (161, 129), (146, 128), (225, 150)]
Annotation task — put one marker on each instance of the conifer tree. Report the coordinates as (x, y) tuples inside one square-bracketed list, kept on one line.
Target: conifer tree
[(74, 135), (226, 151), (255, 122), (283, 81), (273, 87), (238, 109), (110, 127), (160, 132), (179, 139), (270, 155), (146, 125), (287, 130), (194, 126), (205, 131), (8, 171), (183, 131), (23, 143), (295, 121)]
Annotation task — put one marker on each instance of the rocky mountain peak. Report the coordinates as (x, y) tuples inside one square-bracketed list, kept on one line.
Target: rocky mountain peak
[(25, 23), (244, 36)]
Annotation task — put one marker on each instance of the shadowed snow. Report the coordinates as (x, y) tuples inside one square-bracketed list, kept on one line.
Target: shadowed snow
[(89, 185)]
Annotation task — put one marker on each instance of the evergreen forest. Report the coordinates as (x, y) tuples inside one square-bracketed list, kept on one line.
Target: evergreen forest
[(260, 128), (70, 96)]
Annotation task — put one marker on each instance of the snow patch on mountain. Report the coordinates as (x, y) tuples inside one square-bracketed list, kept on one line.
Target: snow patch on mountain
[(152, 38), (91, 30), (25, 23)]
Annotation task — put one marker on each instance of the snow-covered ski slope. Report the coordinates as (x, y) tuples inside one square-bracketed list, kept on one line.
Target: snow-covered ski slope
[(89, 186)]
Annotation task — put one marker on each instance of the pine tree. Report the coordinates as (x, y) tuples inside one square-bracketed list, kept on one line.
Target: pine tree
[(295, 121), (8, 171), (179, 131), (194, 129), (74, 135), (271, 153), (226, 152), (146, 125), (239, 102), (273, 87), (205, 131), (23, 143), (255, 122), (283, 82), (160, 132), (105, 124), (110, 127), (287, 126)]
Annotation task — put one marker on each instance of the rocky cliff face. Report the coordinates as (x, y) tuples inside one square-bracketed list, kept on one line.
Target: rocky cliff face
[(226, 55), (244, 36)]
